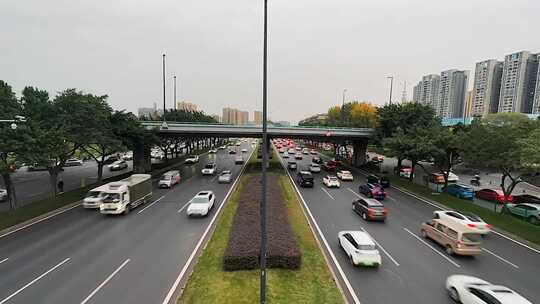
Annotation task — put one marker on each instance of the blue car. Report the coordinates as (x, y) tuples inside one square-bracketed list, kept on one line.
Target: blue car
[(460, 191)]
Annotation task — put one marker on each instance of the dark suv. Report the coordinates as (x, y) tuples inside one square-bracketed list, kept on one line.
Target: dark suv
[(382, 180), (304, 179)]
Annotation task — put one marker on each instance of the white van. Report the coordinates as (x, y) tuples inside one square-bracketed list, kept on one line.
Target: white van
[(94, 198)]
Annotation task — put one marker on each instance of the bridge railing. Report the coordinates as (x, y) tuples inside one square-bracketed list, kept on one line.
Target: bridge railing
[(253, 126)]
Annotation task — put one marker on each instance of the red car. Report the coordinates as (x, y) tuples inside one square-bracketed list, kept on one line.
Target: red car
[(335, 163), (330, 167), (493, 195)]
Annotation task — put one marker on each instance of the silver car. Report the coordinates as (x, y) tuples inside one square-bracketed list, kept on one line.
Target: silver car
[(3, 194), (225, 177)]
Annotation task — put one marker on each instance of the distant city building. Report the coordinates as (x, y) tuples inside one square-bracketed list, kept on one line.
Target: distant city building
[(257, 117), (234, 116), (518, 83), (282, 123), (487, 87), (452, 89), (416, 92), (469, 101), (315, 120), (536, 102), (428, 90), (216, 117), (186, 106), (149, 113)]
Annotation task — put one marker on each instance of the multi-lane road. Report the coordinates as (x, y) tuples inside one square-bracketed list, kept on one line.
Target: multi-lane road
[(414, 269), (81, 256)]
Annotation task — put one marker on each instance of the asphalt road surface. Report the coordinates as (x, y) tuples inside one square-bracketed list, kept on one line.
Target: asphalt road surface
[(414, 270), (81, 256)]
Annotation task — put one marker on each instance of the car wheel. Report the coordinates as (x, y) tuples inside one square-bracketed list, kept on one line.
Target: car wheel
[(364, 216), (126, 211), (449, 250), (533, 220), (424, 234), (452, 292), (351, 259), (505, 210)]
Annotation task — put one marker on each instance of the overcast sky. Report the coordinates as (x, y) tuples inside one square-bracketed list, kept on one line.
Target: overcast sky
[(316, 48)]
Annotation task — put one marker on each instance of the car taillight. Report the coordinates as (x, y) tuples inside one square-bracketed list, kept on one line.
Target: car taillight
[(385, 210), (488, 226), (471, 225), (370, 211), (459, 244)]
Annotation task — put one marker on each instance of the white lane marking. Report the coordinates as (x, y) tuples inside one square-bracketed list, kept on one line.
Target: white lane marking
[(34, 280), (185, 205), (500, 258), (214, 178), (444, 208), (340, 270), (432, 248), (391, 198), (104, 282), (151, 204), (4, 260), (41, 220), (327, 193), (358, 195), (192, 256), (382, 248)]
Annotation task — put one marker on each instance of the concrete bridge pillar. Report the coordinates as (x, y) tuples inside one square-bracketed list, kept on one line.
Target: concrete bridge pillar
[(142, 162), (359, 153)]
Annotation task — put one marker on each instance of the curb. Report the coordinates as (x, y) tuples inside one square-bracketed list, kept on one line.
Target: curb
[(7, 231)]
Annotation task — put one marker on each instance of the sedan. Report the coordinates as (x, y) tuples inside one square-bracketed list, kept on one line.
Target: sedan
[(470, 290), (466, 219), (370, 209), (73, 162), (238, 160), (329, 167), (314, 168), (372, 190), (316, 160), (201, 203), (331, 181), (298, 156), (360, 248), (244, 150), (345, 175), (460, 191), (212, 151), (3, 195), (529, 212), (225, 177), (118, 165), (292, 165), (494, 195), (192, 159), (209, 169)]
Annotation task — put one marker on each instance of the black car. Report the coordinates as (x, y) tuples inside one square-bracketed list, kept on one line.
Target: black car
[(304, 179), (292, 165), (232, 152), (316, 160), (526, 199), (370, 209), (382, 180)]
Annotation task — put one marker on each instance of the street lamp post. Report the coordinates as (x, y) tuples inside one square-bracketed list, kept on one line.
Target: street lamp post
[(174, 92), (391, 86), (343, 106), (164, 124), (264, 162)]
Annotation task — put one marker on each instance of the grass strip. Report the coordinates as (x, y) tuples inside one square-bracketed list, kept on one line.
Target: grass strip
[(507, 223)]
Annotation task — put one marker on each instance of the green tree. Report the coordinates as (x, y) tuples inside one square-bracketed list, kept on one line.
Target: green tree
[(11, 141), (446, 148), (500, 142)]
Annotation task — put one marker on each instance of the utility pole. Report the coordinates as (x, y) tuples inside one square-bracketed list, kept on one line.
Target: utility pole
[(264, 161), (391, 86), (174, 93), (343, 106), (164, 124)]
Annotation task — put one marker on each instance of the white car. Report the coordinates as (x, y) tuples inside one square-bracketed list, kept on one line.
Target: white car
[(225, 177), (192, 159), (239, 160), (94, 198), (169, 179), (244, 150), (470, 290), (452, 177), (286, 154), (466, 219), (298, 155), (127, 156), (315, 168), (73, 162), (291, 151), (118, 165), (305, 151), (201, 203), (331, 181), (3, 195), (345, 175), (212, 151), (209, 169), (360, 248)]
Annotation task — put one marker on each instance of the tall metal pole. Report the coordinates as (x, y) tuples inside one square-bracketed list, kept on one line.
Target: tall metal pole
[(264, 163), (391, 86), (174, 92), (164, 89), (342, 106)]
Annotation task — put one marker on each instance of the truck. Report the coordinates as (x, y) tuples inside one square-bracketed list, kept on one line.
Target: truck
[(126, 194)]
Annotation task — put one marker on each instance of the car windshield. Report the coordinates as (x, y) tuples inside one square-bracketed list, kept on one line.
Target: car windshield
[(332, 178), (225, 172), (315, 166), (472, 217), (199, 200), (366, 247), (91, 194), (112, 197), (209, 166), (471, 237), (166, 177)]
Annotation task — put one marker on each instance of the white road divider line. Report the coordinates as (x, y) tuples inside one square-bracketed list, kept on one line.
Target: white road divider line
[(151, 204), (185, 205), (330, 252), (170, 294), (4, 260), (105, 282), (327, 193), (432, 248), (501, 258), (34, 280), (391, 198), (381, 247), (358, 195)]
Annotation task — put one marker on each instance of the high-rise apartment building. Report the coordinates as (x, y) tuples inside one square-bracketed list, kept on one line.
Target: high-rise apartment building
[(257, 117), (452, 90), (536, 101), (243, 118), (416, 92), (428, 90), (469, 102), (186, 106), (487, 87), (234, 116), (518, 83)]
